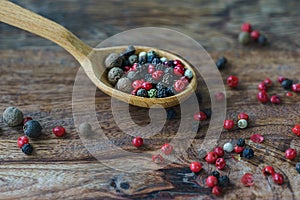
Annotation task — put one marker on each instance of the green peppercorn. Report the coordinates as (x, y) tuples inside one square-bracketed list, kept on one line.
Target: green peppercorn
[(152, 93), (188, 73), (242, 123), (32, 129), (114, 75), (12, 116), (132, 59), (244, 37), (124, 84)]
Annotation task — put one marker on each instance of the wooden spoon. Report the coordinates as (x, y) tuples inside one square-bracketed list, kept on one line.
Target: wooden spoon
[(91, 59)]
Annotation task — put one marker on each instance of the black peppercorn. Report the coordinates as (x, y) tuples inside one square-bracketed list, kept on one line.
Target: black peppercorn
[(170, 63), (248, 153), (142, 93), (130, 50), (170, 91), (287, 84), (262, 40), (240, 142), (169, 70), (156, 61), (221, 62), (216, 174), (32, 129), (27, 149), (171, 113), (223, 181), (298, 167), (162, 93)]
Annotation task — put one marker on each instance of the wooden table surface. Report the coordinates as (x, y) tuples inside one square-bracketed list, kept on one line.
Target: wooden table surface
[(38, 77)]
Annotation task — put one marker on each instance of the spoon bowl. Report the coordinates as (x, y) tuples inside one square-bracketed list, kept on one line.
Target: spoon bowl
[(91, 59)]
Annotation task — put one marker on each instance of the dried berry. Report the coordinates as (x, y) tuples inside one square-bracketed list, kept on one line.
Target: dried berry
[(32, 129), (59, 131), (247, 180), (137, 141), (216, 174), (223, 181), (195, 167), (248, 153), (221, 62), (12, 116), (27, 149), (287, 84), (241, 142), (142, 93)]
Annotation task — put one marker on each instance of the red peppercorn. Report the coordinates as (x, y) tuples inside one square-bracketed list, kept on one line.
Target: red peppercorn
[(134, 67), (157, 75), (219, 96), (296, 129), (262, 96), (127, 69), (216, 190), (257, 138), (238, 149), (179, 86), (262, 87), (228, 124), (232, 81), (167, 149), (211, 157), (255, 34), (178, 70), (296, 87), (246, 27), (280, 79), (268, 82), (247, 180), (151, 69), (219, 151), (268, 170), (157, 159), (243, 116), (278, 178), (26, 119), (185, 80), (177, 62), (220, 163), (289, 94), (147, 86), (136, 84), (275, 99), (195, 167), (137, 141), (290, 153), (22, 140), (211, 181), (59, 131), (200, 116)]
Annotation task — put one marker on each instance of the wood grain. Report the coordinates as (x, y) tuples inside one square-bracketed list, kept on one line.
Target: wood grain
[(39, 80)]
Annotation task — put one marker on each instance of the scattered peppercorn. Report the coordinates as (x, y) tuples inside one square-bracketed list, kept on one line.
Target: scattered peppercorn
[(211, 181), (257, 138), (238, 149), (195, 167), (247, 179), (211, 157), (296, 87), (275, 99), (142, 93), (228, 124), (219, 151), (59, 131), (244, 38), (246, 27), (26, 119), (216, 190), (296, 129), (278, 178), (114, 75), (216, 174), (262, 96), (242, 123), (268, 82), (290, 153), (287, 84), (12, 116), (232, 81), (262, 87), (137, 141), (200, 116), (32, 129), (221, 63), (223, 181), (228, 147), (27, 149), (255, 35), (220, 163), (298, 167), (268, 170), (248, 153), (158, 159), (240, 142), (22, 141), (262, 40)]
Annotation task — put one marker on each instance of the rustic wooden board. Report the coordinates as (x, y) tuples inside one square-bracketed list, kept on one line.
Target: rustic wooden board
[(39, 80)]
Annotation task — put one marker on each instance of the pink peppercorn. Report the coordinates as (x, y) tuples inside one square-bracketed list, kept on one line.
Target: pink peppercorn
[(246, 27), (268, 82), (220, 163), (278, 178), (296, 129), (232, 81), (262, 86), (255, 34), (280, 79), (296, 87), (290, 153), (262, 96), (275, 99), (200, 116), (228, 124), (59, 131), (219, 151)]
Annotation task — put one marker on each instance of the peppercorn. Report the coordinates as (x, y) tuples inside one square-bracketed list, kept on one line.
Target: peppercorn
[(223, 181), (85, 128), (232, 81), (220, 163), (262, 40), (262, 87), (221, 62), (158, 159), (147, 86), (133, 59), (150, 55), (247, 179), (298, 167), (142, 57), (219, 151), (296, 129), (170, 91), (262, 96), (114, 75), (296, 87), (211, 181), (132, 75), (124, 85), (268, 82), (268, 170), (142, 93), (12, 116), (27, 149), (244, 38), (228, 124), (169, 70), (152, 93), (216, 190), (22, 141), (163, 59), (26, 119), (167, 149), (195, 167), (162, 93), (129, 51), (32, 129), (178, 70), (113, 60), (246, 27), (290, 153), (137, 141), (188, 73), (228, 147), (278, 178), (248, 153), (219, 96), (287, 84), (167, 79), (179, 86), (255, 35), (275, 99), (59, 131), (242, 123), (238, 149), (240, 142), (216, 174), (157, 75), (243, 116), (211, 157), (200, 116), (171, 113)]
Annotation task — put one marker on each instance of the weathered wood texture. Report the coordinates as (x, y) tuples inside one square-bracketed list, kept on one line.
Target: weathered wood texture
[(38, 77)]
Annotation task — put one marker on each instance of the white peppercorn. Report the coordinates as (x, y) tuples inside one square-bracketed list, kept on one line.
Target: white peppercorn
[(228, 147), (124, 84), (114, 75), (12, 116), (113, 60)]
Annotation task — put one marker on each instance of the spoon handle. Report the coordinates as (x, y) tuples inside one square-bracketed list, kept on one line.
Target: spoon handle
[(17, 16)]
